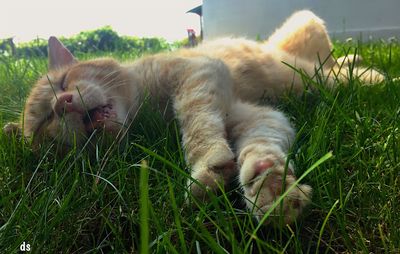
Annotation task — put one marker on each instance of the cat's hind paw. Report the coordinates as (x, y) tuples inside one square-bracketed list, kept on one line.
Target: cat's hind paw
[(211, 173), (266, 180)]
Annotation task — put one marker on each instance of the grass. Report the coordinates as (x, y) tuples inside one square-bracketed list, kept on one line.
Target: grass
[(132, 198)]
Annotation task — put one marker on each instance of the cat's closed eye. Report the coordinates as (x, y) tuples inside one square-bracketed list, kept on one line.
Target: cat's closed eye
[(63, 83)]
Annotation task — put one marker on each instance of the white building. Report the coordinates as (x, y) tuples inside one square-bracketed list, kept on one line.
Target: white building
[(363, 19)]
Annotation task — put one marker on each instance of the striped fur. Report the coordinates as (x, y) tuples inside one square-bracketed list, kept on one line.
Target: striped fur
[(213, 89)]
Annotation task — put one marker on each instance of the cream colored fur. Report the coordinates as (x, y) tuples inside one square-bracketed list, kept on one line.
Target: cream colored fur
[(213, 90)]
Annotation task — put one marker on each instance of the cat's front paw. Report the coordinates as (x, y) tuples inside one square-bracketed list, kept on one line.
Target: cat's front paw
[(12, 128), (264, 180), (213, 171)]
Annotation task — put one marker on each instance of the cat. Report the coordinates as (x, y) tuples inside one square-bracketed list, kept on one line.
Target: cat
[(214, 91)]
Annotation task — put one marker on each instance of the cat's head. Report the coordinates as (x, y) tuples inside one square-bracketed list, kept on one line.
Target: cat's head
[(74, 99)]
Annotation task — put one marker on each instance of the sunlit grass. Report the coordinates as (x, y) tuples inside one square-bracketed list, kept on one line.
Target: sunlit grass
[(109, 201)]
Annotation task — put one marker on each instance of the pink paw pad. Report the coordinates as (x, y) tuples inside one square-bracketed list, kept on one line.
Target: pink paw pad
[(261, 166)]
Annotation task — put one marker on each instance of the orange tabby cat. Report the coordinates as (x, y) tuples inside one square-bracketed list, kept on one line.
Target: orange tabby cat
[(213, 88)]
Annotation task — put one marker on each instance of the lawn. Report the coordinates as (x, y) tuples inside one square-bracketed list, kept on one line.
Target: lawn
[(131, 198)]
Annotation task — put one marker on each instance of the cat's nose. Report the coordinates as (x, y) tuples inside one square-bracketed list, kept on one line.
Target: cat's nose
[(65, 104)]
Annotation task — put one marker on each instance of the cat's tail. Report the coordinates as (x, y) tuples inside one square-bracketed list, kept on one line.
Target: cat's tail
[(304, 35), (349, 60), (347, 68), (367, 76)]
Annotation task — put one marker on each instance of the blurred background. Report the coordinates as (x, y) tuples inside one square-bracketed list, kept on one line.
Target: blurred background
[(152, 25), (25, 20)]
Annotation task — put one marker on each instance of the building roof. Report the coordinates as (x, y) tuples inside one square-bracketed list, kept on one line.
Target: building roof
[(197, 10)]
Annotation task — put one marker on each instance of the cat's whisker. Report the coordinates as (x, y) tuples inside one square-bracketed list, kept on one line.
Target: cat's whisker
[(85, 92), (110, 83), (116, 97), (107, 76), (114, 86)]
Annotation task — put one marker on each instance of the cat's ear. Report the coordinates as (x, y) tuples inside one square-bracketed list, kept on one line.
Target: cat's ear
[(59, 55)]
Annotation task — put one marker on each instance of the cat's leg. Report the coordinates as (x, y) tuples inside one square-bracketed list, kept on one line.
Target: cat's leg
[(262, 138), (304, 35), (201, 104)]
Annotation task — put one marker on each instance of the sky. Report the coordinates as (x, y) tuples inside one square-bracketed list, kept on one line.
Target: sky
[(27, 19)]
